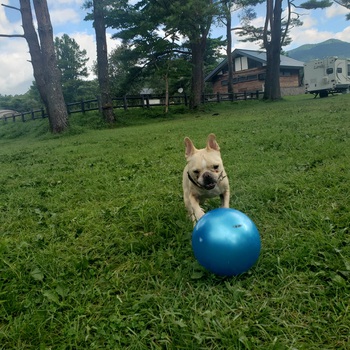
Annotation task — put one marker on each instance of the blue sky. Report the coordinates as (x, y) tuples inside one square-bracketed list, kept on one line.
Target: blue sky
[(67, 16)]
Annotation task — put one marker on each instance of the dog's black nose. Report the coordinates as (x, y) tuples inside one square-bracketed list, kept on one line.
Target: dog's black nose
[(208, 181)]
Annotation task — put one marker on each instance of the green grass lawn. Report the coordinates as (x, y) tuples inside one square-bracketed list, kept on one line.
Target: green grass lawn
[(95, 245)]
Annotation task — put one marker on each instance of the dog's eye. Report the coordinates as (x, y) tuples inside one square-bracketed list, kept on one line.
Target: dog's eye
[(216, 167), (196, 171)]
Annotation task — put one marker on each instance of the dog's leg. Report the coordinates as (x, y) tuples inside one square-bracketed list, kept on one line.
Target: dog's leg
[(225, 199), (194, 209)]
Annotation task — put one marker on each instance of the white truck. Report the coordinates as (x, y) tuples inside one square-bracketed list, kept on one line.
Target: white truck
[(328, 75)]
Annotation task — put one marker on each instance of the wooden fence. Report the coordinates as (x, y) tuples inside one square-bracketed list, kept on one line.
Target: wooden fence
[(126, 102)]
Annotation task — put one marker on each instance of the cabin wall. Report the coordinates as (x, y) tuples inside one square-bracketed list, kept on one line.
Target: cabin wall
[(251, 80)]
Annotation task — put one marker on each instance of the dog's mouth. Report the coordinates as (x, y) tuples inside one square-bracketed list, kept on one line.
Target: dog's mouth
[(208, 181), (209, 185)]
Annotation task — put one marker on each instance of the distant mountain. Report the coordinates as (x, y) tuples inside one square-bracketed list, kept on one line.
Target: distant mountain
[(332, 47)]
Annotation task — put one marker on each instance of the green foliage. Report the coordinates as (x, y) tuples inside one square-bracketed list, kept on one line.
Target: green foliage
[(129, 76), (95, 245), (158, 36), (125, 74), (72, 63), (148, 57), (20, 103), (315, 4), (213, 53)]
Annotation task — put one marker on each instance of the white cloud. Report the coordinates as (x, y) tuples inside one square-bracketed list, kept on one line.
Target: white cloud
[(309, 36), (308, 22), (16, 72), (258, 22), (316, 29), (68, 2), (62, 16), (336, 10), (4, 23), (343, 35), (10, 27)]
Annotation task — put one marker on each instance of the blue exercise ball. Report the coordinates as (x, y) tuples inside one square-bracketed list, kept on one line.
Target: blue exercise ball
[(226, 242)]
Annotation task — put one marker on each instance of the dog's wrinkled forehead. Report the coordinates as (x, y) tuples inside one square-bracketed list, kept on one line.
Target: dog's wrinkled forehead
[(204, 159)]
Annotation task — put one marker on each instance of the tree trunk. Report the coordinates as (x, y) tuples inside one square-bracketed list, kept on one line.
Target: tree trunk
[(166, 78), (197, 79), (34, 49), (57, 108), (102, 61), (229, 50), (273, 50)]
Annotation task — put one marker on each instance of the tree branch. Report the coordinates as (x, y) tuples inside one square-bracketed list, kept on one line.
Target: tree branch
[(11, 7), (284, 34), (12, 36), (343, 3)]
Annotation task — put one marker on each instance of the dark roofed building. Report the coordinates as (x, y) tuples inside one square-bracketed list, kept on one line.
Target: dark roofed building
[(249, 68)]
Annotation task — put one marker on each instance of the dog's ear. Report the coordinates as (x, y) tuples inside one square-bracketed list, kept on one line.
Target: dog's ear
[(190, 149), (212, 144)]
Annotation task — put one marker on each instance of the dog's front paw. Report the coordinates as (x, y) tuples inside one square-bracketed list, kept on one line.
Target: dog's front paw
[(196, 216)]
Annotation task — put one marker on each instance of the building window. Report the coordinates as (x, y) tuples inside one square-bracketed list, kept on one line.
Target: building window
[(339, 70), (329, 71), (285, 73), (253, 64), (240, 63), (224, 82), (252, 77), (262, 76)]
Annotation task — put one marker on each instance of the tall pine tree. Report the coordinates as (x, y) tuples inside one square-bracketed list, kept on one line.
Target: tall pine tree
[(72, 63)]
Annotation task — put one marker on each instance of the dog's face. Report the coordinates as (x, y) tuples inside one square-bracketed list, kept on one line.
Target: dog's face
[(204, 166)]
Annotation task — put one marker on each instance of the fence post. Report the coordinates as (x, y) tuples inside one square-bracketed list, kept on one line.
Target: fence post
[(42, 113), (125, 103), (245, 95), (218, 96), (32, 113), (185, 99), (82, 104), (99, 105), (13, 117), (67, 107), (23, 120), (147, 101), (257, 94)]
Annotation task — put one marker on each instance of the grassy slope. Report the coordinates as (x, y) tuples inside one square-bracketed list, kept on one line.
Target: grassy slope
[(95, 245)]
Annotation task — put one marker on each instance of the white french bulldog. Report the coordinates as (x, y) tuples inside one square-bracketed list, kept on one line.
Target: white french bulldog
[(204, 177)]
